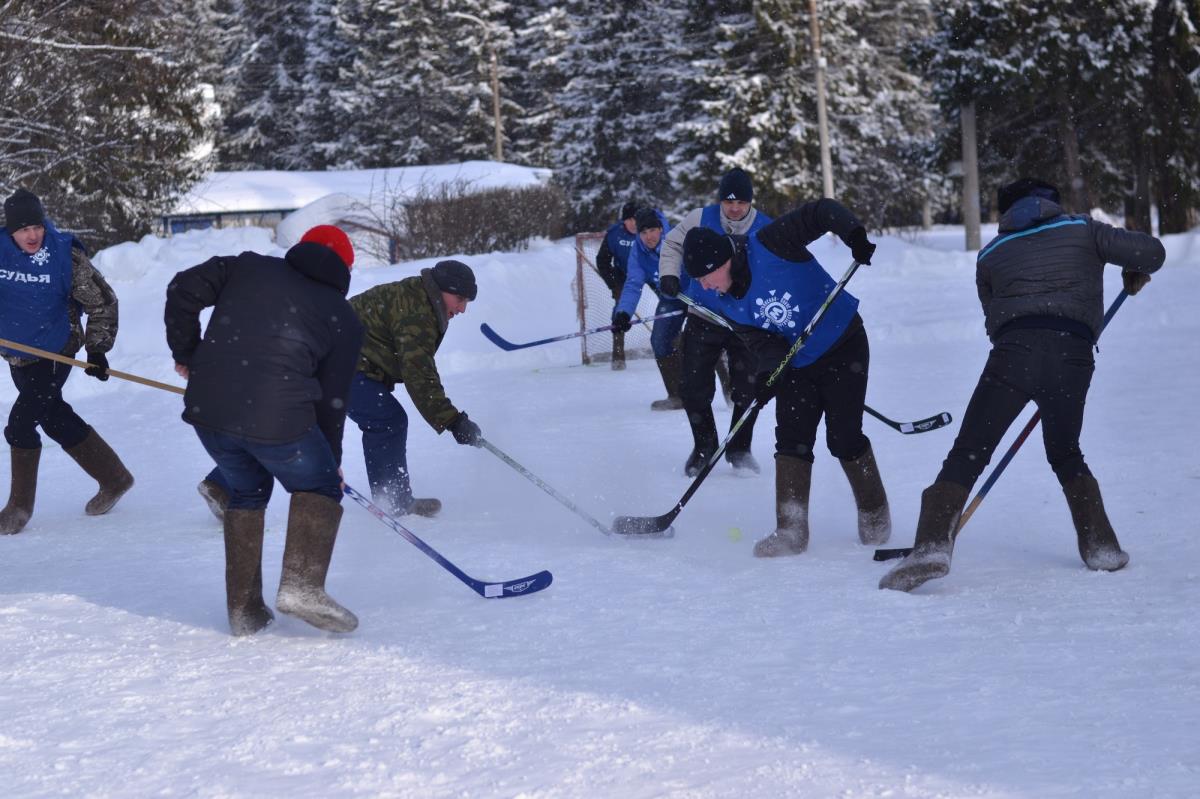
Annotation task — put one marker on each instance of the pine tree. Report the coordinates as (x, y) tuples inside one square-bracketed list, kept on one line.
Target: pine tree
[(100, 112), (1173, 91), (612, 136)]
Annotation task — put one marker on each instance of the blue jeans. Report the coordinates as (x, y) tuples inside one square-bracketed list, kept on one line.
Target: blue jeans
[(250, 469), (665, 331), (384, 426)]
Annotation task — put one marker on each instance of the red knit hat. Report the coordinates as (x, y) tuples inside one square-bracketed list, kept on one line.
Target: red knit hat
[(335, 239)]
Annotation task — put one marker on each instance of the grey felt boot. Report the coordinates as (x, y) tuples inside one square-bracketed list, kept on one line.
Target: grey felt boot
[(248, 613), (24, 488), (312, 530), (793, 478), (874, 517), (941, 507)]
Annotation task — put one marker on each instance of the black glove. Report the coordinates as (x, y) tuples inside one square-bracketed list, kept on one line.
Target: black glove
[(669, 285), (1134, 282), (764, 393), (860, 248), (621, 322), (465, 431), (99, 366)]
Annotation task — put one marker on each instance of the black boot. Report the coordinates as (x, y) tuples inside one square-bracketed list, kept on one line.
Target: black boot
[(96, 457), (671, 368), (24, 488), (215, 497), (874, 518), (248, 613), (1098, 545), (618, 351), (742, 460), (941, 507), (312, 530), (793, 479)]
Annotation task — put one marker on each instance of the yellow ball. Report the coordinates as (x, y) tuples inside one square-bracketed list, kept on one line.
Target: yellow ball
[(735, 534)]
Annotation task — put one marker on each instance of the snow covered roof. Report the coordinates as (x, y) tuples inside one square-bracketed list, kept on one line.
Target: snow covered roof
[(277, 190)]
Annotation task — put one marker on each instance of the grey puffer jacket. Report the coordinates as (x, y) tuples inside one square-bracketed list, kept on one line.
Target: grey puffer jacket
[(1046, 263)]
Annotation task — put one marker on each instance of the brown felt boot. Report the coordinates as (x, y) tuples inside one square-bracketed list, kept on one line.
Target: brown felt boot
[(24, 488), (215, 497), (874, 518), (248, 613), (96, 458), (312, 530), (941, 507), (618, 351), (793, 478), (1098, 545), (671, 368)]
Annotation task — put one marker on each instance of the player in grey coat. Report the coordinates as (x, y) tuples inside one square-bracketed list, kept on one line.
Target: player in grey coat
[(1040, 282)]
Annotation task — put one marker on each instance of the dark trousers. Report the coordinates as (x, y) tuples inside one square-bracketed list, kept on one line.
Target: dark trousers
[(250, 469), (1050, 367), (40, 403), (835, 387), (384, 426), (703, 343)]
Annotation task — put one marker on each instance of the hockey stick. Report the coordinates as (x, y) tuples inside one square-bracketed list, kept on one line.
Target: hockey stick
[(54, 356), (505, 344), (542, 484), (903, 552), (920, 426), (509, 588), (642, 525)]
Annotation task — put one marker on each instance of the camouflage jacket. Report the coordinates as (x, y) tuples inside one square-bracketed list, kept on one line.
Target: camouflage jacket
[(405, 322), (90, 293)]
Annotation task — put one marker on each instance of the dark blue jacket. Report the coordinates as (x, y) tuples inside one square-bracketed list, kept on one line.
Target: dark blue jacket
[(35, 291), (280, 349), (1046, 267)]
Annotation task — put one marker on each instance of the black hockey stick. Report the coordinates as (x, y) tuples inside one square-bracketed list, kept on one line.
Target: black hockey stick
[(903, 552), (505, 344), (643, 525), (542, 484), (508, 588), (920, 426)]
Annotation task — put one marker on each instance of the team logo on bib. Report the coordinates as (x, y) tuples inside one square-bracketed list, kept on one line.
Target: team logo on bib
[(776, 311), (41, 257)]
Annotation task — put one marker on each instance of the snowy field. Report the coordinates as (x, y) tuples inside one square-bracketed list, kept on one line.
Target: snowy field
[(666, 668)]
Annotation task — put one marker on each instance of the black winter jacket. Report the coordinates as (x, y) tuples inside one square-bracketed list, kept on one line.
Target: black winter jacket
[(1046, 266), (280, 349)]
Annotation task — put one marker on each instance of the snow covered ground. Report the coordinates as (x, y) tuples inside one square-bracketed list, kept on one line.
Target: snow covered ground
[(667, 668)]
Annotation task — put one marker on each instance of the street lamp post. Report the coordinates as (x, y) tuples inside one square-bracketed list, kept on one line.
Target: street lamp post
[(497, 124)]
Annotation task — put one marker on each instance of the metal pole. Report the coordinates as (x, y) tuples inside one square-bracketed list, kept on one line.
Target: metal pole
[(822, 118)]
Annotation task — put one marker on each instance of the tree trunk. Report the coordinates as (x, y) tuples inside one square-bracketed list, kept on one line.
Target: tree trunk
[(970, 161), (1069, 140), (1137, 203)]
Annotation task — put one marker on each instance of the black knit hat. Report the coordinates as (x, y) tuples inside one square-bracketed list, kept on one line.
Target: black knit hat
[(705, 250), (1026, 187), (646, 219), (736, 185), (628, 211), (455, 277), (23, 209)]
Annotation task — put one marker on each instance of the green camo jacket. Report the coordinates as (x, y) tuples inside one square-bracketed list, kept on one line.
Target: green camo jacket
[(405, 322)]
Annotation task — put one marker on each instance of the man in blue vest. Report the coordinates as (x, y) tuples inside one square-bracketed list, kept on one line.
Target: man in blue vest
[(643, 271), (612, 262), (1041, 284), (703, 341), (46, 281), (770, 289)]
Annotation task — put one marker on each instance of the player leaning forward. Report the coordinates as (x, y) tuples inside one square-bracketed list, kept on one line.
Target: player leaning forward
[(268, 385), (774, 284)]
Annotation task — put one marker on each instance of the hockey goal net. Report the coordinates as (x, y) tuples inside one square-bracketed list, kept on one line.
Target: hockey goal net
[(594, 307)]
